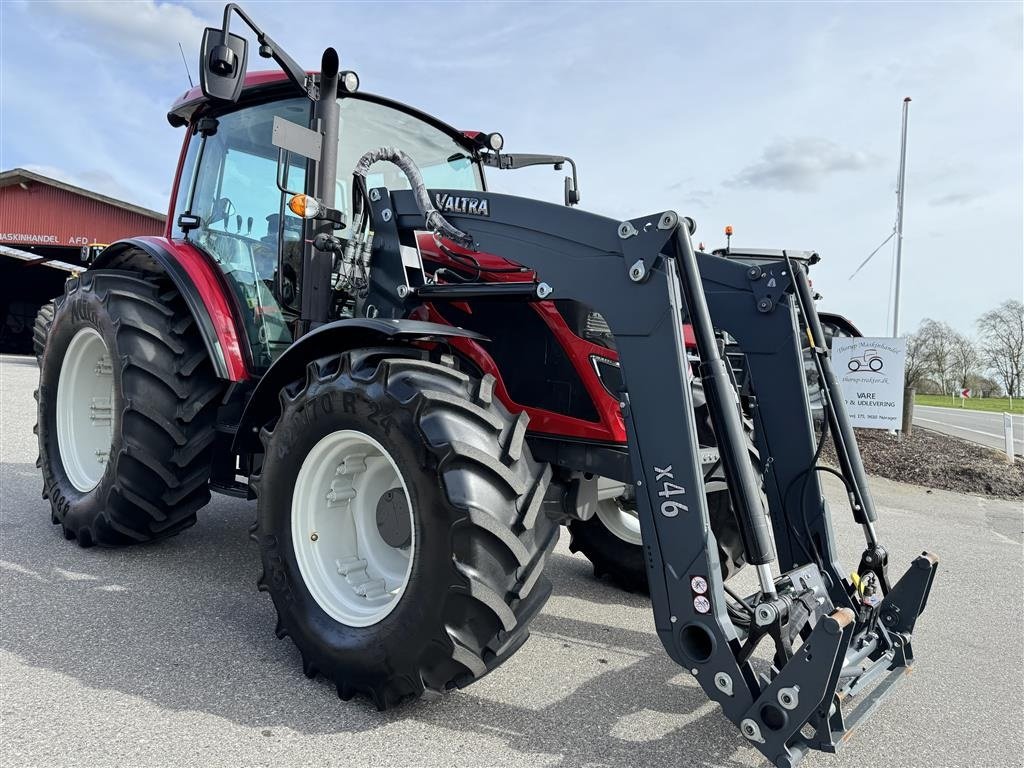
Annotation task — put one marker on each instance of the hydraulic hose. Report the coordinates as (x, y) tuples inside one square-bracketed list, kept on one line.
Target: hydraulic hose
[(433, 218)]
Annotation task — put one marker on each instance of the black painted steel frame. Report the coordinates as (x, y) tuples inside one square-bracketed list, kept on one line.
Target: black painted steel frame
[(636, 275)]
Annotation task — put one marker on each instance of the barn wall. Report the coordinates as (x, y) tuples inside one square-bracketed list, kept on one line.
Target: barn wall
[(44, 215)]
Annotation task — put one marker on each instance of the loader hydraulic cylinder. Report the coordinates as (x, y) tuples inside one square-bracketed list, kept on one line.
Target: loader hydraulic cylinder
[(725, 415), (846, 442)]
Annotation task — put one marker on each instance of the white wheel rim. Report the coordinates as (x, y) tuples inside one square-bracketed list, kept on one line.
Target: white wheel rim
[(85, 409), (354, 575), (623, 523)]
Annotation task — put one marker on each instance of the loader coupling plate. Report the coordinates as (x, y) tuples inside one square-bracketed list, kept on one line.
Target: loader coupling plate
[(848, 662)]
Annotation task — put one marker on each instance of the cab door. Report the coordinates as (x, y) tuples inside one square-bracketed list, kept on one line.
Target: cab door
[(237, 214)]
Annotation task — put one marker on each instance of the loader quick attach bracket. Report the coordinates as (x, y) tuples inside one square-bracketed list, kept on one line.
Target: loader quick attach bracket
[(831, 638)]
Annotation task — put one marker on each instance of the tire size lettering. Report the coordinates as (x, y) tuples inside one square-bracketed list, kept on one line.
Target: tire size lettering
[(82, 310)]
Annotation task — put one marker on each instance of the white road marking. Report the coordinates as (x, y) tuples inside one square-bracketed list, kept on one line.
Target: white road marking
[(995, 418), (9, 566), (957, 426)]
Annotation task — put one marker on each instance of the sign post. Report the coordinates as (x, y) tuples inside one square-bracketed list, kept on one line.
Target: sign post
[(1008, 436), (870, 372), (907, 427)]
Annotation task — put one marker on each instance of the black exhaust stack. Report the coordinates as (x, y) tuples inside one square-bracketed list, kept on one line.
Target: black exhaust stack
[(316, 273)]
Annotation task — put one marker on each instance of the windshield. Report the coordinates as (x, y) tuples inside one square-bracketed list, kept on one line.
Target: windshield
[(365, 126)]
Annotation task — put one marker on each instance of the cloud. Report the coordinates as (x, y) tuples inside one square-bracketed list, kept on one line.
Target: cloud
[(94, 179), (799, 165), (957, 198), (689, 192), (145, 28), (700, 198)]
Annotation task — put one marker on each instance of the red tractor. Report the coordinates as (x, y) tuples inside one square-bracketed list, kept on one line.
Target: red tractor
[(418, 380)]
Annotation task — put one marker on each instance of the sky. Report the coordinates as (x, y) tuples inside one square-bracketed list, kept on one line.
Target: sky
[(781, 119)]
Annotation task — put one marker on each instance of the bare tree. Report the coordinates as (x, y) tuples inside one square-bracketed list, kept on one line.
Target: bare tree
[(964, 359), (1002, 344), (937, 353), (916, 368)]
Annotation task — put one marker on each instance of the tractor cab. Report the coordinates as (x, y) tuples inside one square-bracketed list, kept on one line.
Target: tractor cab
[(235, 184)]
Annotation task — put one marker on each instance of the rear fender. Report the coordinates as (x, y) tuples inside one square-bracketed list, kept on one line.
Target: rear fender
[(329, 339), (838, 324), (201, 285)]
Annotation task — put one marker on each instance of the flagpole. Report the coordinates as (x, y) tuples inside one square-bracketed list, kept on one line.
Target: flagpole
[(899, 220)]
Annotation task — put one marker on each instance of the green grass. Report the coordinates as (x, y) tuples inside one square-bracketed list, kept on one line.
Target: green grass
[(997, 404)]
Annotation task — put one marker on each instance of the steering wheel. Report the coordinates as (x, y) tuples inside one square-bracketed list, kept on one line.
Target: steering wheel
[(222, 210), (232, 249)]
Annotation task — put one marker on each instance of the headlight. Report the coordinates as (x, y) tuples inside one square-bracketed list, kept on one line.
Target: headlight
[(610, 374), (349, 81)]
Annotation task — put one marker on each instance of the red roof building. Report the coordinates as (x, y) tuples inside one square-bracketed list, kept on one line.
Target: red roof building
[(40, 211), (45, 222)]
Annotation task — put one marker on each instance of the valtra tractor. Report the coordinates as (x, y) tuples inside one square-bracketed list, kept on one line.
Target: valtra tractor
[(418, 380)]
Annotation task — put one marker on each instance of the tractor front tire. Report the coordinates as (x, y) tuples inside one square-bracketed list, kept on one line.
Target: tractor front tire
[(127, 406), (401, 525)]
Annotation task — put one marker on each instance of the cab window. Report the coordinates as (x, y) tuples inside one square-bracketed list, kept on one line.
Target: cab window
[(366, 125), (244, 222)]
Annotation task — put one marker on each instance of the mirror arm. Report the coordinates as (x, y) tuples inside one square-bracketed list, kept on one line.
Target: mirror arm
[(572, 164), (291, 67), (515, 160), (271, 50)]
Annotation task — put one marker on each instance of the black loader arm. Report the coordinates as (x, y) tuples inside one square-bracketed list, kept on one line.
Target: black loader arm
[(830, 637)]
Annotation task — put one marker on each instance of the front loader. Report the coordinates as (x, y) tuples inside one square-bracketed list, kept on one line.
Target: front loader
[(418, 380)]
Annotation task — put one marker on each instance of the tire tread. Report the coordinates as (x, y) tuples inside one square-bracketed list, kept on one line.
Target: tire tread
[(487, 608), (163, 466)]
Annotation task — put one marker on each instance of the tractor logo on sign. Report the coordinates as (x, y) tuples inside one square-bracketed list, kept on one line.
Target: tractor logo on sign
[(869, 361)]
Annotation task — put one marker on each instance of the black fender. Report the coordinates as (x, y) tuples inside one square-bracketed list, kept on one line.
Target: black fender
[(329, 339), (148, 254), (840, 323)]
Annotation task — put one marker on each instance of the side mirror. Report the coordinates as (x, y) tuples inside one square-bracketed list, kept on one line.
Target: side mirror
[(572, 195), (222, 64)]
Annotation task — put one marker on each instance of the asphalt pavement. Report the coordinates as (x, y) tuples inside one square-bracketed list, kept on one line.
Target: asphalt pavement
[(165, 655), (984, 427)]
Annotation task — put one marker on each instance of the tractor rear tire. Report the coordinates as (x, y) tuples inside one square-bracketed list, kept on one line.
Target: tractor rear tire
[(127, 406), (41, 328), (620, 556), (472, 532)]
